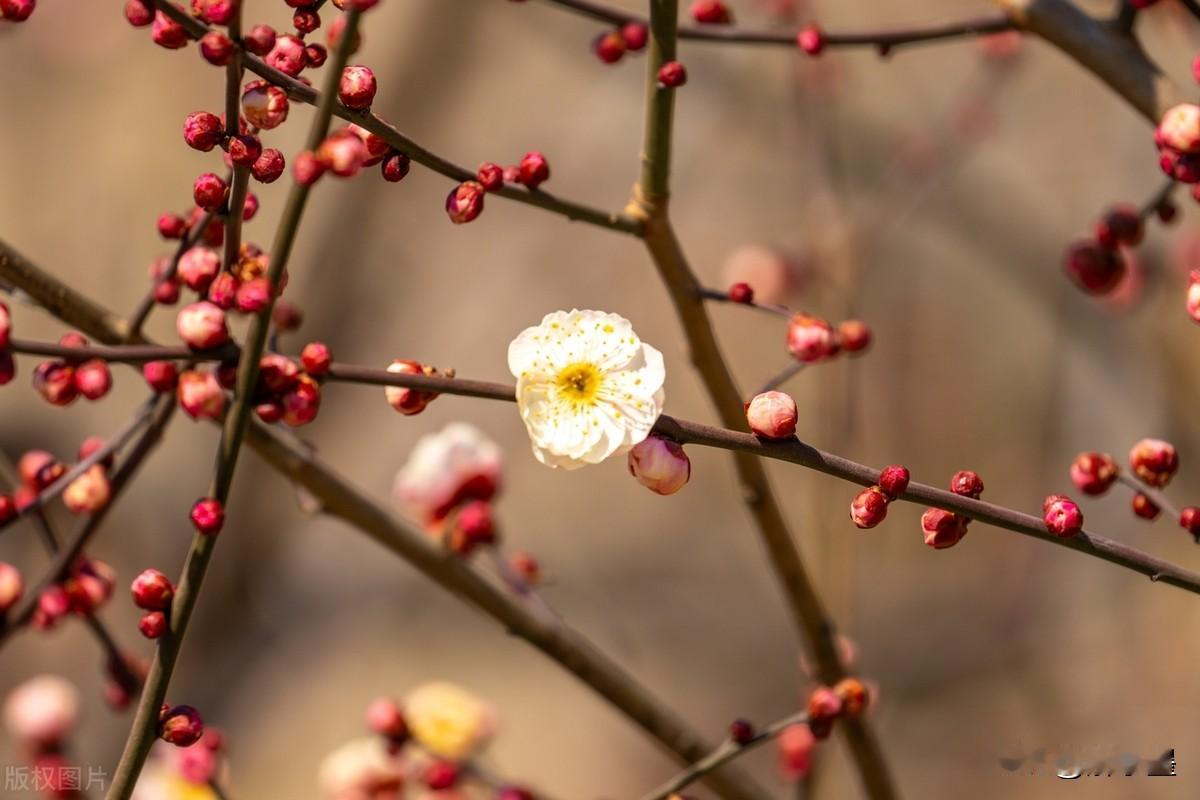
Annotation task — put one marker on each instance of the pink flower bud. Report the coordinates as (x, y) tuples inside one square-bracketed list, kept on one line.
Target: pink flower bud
[(216, 48), (343, 154), (474, 525), (1189, 520), (167, 32), (795, 745), (203, 131), (55, 382), (245, 149), (1144, 507), (162, 376), (741, 292), (772, 415), (893, 481), (869, 507), (88, 493), (385, 718), (200, 395), (356, 88), (153, 624), (42, 712), (209, 191), (853, 335), (93, 379), (854, 696), (34, 464), (302, 403), (208, 516), (1062, 516), (660, 465), (394, 167), (823, 707), (265, 106), (810, 339), (1121, 225), (307, 168), (222, 293), (253, 295), (1179, 129), (316, 358), (490, 176), (315, 55), (201, 326), (1154, 461), (198, 266), (1093, 473), (942, 528), (152, 591), (171, 226), (440, 775), (8, 509), (635, 34), (139, 13), (305, 21), (214, 12), (12, 586), (287, 55), (1094, 269), (181, 726), (91, 445), (672, 75), (260, 40), (534, 170), (811, 40), (465, 202), (966, 483), (609, 46), (269, 166), (711, 12)]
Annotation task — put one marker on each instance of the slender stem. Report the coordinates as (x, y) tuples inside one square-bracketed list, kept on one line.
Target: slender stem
[(650, 203), (1125, 17), (307, 94), (783, 376), (1192, 6), (723, 754), (145, 724), (717, 296), (233, 117), (1159, 199), (125, 354), (1156, 496), (981, 26)]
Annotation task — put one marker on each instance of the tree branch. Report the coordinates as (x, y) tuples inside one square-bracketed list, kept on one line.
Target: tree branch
[(368, 121)]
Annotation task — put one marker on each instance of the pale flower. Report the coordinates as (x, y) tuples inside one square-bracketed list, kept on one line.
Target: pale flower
[(361, 769), (161, 778), (457, 464), (587, 387), (447, 720), (42, 710)]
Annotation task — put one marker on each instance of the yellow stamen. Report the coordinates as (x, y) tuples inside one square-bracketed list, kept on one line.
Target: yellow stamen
[(579, 383)]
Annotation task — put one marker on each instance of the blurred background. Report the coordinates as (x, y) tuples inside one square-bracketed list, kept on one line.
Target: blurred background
[(930, 194)]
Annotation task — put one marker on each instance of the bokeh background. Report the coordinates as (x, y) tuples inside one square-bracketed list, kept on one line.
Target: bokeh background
[(930, 194)]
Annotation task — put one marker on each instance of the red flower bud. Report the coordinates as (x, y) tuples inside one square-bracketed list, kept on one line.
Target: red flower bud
[(302, 402), (942, 529), (305, 21), (55, 382), (1154, 461), (394, 167), (357, 86), (139, 13), (316, 358), (209, 191), (253, 295), (854, 696), (343, 153), (1189, 520), (533, 170), (810, 339), (660, 465), (609, 46), (1121, 225), (207, 516), (315, 55), (287, 55), (741, 731), (162, 376), (741, 293), (490, 176), (1095, 269), (869, 507), (202, 326), (473, 526), (12, 586), (181, 726), (1144, 507), (823, 706), (307, 168), (264, 105), (672, 75), (811, 40), (1179, 129), (269, 166), (711, 12), (465, 202), (1093, 473), (853, 335), (440, 775), (203, 131), (966, 483), (795, 745), (216, 48), (167, 32), (198, 266), (200, 395), (385, 718), (260, 40), (893, 481), (92, 379), (1062, 516), (152, 624), (635, 34), (152, 591)]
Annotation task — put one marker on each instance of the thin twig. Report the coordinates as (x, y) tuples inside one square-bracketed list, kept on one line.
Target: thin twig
[(1156, 496), (140, 314), (726, 752), (145, 724), (370, 122), (887, 40), (717, 296), (783, 376)]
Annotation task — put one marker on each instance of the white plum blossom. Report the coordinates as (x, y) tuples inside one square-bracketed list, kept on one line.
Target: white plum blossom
[(587, 386), (361, 769), (42, 711), (457, 464)]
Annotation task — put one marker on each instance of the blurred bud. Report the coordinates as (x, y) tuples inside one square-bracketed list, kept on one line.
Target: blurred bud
[(660, 465), (772, 415)]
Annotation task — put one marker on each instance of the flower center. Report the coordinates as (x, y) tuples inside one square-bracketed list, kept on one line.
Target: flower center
[(579, 382)]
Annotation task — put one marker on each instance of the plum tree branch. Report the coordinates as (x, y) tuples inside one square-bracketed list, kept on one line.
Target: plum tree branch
[(650, 204), (298, 90)]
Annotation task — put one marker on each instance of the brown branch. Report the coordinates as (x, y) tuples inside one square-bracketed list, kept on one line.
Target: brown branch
[(140, 314), (1112, 55), (886, 40), (649, 203), (307, 94)]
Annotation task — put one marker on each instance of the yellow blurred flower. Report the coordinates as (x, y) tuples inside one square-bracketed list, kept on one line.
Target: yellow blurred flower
[(447, 720)]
